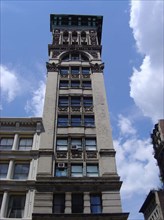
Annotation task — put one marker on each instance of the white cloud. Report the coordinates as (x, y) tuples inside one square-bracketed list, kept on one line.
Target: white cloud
[(135, 163), (147, 83), (35, 104), (9, 83), (125, 126)]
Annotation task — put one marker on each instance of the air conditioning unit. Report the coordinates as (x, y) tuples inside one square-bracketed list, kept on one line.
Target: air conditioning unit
[(75, 147), (61, 165)]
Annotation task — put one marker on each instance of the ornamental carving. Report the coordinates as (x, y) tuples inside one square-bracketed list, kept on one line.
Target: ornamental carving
[(93, 38), (97, 67), (56, 37), (51, 67)]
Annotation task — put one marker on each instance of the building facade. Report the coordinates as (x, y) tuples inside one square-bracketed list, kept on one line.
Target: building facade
[(157, 137), (75, 173)]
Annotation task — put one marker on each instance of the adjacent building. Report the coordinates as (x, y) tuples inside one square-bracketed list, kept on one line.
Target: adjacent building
[(62, 166)]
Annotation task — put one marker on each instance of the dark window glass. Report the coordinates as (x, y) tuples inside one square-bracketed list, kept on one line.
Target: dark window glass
[(59, 203), (92, 170), (96, 203), (75, 84), (90, 144), (64, 70), (77, 203), (25, 143), (74, 56), (87, 84), (76, 143), (85, 70), (89, 120), (62, 144), (16, 206), (75, 101), (21, 171), (63, 102), (1, 197), (87, 101), (62, 120), (64, 83), (83, 57), (75, 70), (76, 120), (65, 57), (3, 170), (61, 170), (6, 143)]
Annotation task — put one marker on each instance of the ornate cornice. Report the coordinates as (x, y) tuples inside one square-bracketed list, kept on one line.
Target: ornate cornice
[(52, 67), (97, 67)]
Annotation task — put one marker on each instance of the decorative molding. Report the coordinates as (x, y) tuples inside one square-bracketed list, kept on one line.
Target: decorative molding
[(52, 67), (97, 67)]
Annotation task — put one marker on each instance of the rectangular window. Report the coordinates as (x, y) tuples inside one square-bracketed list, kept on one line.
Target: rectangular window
[(62, 144), (63, 102), (75, 101), (92, 170), (75, 70), (75, 84), (16, 206), (89, 121), (87, 101), (59, 203), (64, 70), (77, 203), (61, 169), (6, 143), (64, 84), (76, 120), (86, 84), (21, 171), (25, 143), (90, 144), (96, 203), (76, 170), (3, 170), (62, 120), (85, 70), (76, 144)]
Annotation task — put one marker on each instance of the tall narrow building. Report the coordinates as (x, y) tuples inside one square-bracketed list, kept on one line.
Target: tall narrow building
[(62, 166), (76, 176)]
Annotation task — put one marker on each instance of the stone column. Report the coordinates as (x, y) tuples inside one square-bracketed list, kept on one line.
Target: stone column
[(68, 202), (10, 169), (15, 143), (87, 202), (4, 205)]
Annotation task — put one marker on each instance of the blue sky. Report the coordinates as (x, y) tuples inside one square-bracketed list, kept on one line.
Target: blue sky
[(133, 54)]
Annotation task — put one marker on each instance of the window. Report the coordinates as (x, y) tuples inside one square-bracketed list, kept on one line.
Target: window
[(85, 70), (62, 144), (74, 56), (87, 101), (62, 120), (75, 101), (92, 170), (76, 120), (6, 143), (61, 170), (59, 203), (21, 171), (76, 144), (75, 70), (64, 83), (77, 203), (75, 84), (65, 58), (25, 143), (86, 84), (89, 121), (96, 203), (63, 101), (16, 206), (3, 170), (76, 170), (64, 71), (90, 144), (83, 57), (1, 197)]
